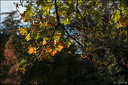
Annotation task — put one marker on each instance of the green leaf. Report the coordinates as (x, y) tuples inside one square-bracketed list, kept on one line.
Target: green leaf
[(67, 43), (46, 13), (125, 12), (28, 11), (84, 13), (66, 21), (40, 24), (38, 35), (116, 15)]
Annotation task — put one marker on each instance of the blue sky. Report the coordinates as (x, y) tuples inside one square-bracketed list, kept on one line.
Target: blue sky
[(8, 6)]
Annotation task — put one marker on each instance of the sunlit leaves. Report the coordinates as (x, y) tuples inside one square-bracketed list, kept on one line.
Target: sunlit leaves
[(31, 50), (23, 31), (59, 47), (37, 36), (28, 12), (46, 7), (121, 5), (116, 15), (28, 37), (44, 42), (67, 43), (56, 37), (66, 21), (53, 52), (41, 25), (90, 23), (84, 13), (125, 11)]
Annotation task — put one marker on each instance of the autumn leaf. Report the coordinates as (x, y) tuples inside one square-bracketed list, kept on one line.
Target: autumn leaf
[(56, 35), (44, 42), (53, 52), (59, 48), (123, 22), (60, 43), (50, 50), (28, 37), (23, 31), (31, 50)]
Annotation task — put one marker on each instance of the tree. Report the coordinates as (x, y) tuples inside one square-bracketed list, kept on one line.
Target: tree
[(8, 71), (10, 49), (98, 28)]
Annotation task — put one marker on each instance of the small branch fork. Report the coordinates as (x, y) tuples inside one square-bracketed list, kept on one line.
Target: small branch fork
[(58, 21), (58, 24)]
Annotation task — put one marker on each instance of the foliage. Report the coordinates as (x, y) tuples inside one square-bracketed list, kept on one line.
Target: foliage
[(8, 66), (97, 28)]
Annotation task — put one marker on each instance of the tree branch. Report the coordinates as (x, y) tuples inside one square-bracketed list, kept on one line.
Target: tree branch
[(57, 16), (58, 21), (71, 36)]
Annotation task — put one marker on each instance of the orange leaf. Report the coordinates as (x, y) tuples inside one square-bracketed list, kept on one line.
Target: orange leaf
[(53, 52)]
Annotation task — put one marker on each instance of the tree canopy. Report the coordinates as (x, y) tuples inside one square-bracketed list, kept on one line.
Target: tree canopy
[(92, 30)]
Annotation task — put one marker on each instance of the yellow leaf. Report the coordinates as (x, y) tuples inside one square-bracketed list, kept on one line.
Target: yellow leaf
[(44, 42), (59, 48), (56, 35), (28, 37), (23, 31), (32, 50)]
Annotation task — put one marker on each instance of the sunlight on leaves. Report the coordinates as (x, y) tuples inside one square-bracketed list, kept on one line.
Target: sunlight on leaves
[(28, 37), (44, 42), (31, 50), (23, 31)]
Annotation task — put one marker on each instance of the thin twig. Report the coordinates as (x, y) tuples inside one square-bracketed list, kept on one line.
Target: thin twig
[(71, 36)]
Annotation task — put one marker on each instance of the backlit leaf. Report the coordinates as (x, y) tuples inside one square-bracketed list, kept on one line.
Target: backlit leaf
[(37, 36), (53, 52), (23, 31), (59, 48), (116, 15), (44, 42), (68, 43), (28, 37), (31, 50)]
